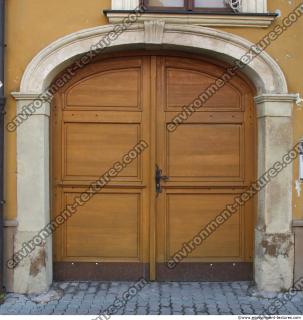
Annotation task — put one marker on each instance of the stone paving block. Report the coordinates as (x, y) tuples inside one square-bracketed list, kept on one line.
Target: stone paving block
[(153, 312), (129, 311), (71, 289), (189, 311), (119, 313), (92, 290), (72, 309), (165, 302), (165, 311), (157, 298), (177, 307), (84, 285), (141, 311), (292, 308)]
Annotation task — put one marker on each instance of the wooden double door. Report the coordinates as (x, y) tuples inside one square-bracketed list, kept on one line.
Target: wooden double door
[(129, 229)]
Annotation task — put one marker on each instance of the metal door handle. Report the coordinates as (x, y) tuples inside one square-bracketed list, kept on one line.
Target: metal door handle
[(159, 177)]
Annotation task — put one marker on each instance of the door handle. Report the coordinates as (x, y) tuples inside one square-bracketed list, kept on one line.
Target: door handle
[(159, 178)]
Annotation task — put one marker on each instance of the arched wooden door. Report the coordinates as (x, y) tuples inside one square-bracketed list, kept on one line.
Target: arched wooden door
[(128, 229)]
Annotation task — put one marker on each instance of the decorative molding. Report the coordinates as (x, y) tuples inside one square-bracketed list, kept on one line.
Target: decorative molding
[(263, 70), (275, 105), (154, 31), (28, 96), (207, 20), (236, 5), (35, 104), (276, 98)]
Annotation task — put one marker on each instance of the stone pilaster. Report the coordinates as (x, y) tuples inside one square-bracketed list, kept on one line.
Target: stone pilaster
[(274, 242), (34, 272)]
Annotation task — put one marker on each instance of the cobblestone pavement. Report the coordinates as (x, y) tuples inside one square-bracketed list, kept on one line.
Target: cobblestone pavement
[(92, 298)]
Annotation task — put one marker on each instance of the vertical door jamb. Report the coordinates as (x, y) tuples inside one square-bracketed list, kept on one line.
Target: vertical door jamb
[(153, 221)]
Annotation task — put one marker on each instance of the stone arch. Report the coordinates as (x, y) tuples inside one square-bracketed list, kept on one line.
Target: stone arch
[(263, 70)]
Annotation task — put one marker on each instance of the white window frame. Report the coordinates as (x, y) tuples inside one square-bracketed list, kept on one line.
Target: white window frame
[(124, 4), (248, 6)]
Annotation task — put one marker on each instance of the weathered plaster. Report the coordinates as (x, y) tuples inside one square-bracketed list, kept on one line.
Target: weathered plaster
[(33, 274), (274, 262), (10, 227)]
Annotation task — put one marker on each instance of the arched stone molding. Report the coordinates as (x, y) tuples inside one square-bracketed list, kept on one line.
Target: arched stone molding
[(263, 70), (274, 108)]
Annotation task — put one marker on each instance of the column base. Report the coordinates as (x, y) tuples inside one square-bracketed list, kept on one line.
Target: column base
[(33, 274), (274, 262)]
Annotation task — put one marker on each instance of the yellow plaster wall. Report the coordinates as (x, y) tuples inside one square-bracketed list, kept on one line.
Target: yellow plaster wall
[(31, 25)]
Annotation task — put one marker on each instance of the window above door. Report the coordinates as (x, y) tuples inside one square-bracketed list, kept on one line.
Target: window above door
[(247, 6), (187, 5), (211, 13)]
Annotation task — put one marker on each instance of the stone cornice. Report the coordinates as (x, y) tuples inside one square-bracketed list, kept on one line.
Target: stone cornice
[(28, 96), (275, 105), (210, 20), (276, 98)]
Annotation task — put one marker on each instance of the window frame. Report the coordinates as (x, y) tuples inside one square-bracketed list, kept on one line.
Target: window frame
[(189, 6)]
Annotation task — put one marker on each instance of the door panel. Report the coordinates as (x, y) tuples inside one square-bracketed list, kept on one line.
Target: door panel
[(99, 117), (117, 89), (127, 230), (183, 85), (218, 154), (209, 162), (116, 225), (200, 210), (92, 148)]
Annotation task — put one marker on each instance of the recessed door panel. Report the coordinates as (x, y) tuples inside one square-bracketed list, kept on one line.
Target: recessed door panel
[(118, 88), (190, 215), (205, 151), (106, 228), (92, 148), (184, 85)]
